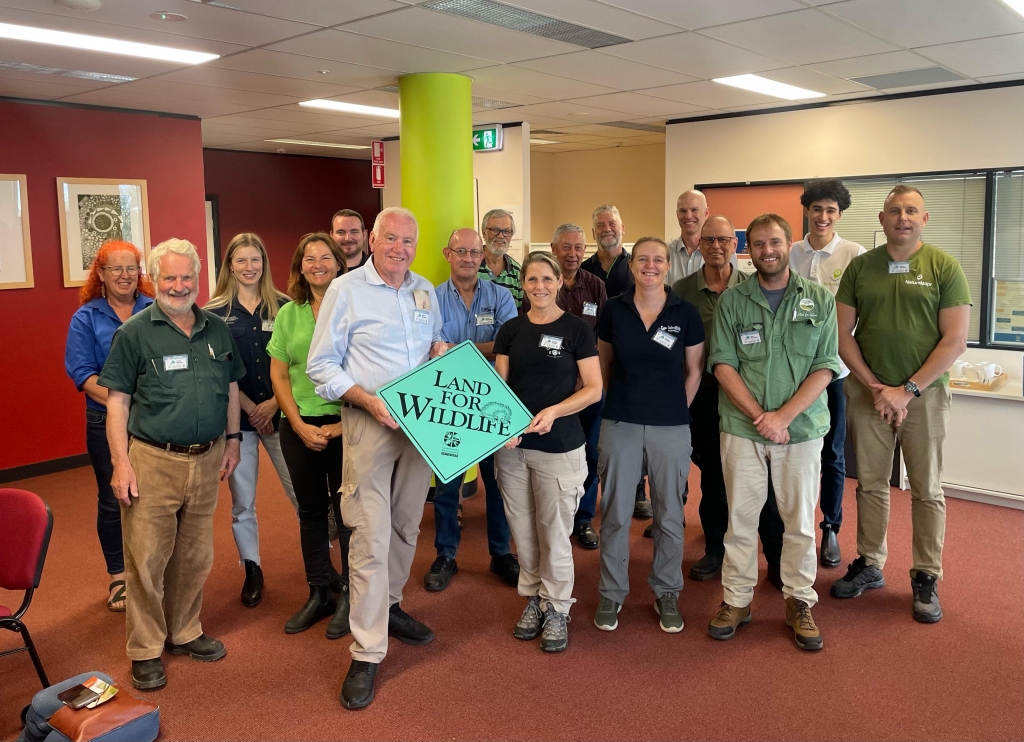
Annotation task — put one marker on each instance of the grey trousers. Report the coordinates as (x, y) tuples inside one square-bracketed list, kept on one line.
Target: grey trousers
[(625, 452), (242, 484)]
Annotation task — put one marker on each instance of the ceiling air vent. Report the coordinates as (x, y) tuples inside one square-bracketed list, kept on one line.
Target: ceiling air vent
[(909, 78), (517, 19), (653, 128), (477, 100), (39, 69)]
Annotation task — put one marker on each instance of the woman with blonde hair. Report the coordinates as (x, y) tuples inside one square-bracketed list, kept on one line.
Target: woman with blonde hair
[(247, 300), (115, 290)]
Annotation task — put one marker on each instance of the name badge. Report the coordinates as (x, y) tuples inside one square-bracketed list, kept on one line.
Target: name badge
[(268, 325), (485, 318), (899, 266), (551, 342), (421, 315), (664, 339), (176, 363), (589, 309), (750, 337)]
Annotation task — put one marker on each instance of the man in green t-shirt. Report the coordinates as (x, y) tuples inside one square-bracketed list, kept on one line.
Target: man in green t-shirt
[(903, 311)]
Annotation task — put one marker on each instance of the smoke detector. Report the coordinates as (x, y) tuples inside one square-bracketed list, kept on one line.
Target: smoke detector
[(80, 4)]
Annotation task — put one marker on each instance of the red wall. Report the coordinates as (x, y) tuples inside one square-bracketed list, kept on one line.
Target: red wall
[(43, 414), (282, 197)]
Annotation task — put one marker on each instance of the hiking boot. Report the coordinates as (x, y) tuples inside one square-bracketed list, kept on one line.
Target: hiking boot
[(555, 635), (671, 619), (532, 621), (926, 598), (706, 567), (860, 576), (606, 617), (642, 509), (723, 626), (805, 631)]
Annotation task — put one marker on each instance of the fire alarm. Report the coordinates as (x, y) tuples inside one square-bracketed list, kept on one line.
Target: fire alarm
[(80, 4)]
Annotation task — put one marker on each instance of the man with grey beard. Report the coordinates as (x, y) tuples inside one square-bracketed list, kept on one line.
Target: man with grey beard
[(497, 228), (173, 429), (611, 261)]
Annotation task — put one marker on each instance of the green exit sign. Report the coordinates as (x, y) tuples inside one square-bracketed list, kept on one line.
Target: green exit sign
[(487, 138)]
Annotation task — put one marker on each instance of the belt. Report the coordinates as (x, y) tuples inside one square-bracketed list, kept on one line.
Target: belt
[(193, 450), (350, 406)]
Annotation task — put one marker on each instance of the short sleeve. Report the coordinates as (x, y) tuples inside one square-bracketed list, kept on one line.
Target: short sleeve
[(237, 366), (604, 324), (953, 288), (583, 340), (503, 343), (694, 326), (847, 293), (121, 371), (506, 307), (277, 347), (723, 345)]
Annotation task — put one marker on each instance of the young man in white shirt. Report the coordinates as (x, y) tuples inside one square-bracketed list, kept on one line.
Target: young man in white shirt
[(822, 256)]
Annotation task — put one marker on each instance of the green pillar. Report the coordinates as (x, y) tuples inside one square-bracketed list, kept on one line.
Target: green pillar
[(436, 135)]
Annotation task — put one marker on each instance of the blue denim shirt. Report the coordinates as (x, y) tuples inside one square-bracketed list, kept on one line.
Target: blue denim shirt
[(92, 328), (492, 307)]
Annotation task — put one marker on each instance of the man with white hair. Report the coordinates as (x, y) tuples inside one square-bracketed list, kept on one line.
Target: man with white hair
[(611, 261), (173, 429), (497, 228), (377, 323), (684, 253)]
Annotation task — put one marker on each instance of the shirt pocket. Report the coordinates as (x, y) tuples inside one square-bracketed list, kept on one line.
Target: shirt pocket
[(160, 385), (751, 351), (802, 337), (220, 373)]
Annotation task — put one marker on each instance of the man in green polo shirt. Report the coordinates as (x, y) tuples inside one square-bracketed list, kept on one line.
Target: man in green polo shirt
[(497, 228), (904, 311), (172, 395), (774, 350)]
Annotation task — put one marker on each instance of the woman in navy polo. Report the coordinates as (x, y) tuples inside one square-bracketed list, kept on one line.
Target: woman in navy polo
[(115, 290), (651, 345)]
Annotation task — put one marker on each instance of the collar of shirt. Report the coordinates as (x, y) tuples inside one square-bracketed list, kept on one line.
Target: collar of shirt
[(157, 315), (702, 285), (102, 306), (448, 294), (828, 249), (629, 298), (752, 288), (373, 277)]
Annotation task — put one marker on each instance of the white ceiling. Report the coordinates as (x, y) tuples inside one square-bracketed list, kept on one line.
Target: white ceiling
[(276, 53)]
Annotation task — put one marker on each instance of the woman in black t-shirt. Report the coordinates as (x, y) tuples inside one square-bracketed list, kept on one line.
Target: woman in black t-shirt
[(651, 344), (548, 358)]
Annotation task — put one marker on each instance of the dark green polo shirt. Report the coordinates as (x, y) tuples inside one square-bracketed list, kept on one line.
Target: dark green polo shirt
[(694, 289), (179, 384)]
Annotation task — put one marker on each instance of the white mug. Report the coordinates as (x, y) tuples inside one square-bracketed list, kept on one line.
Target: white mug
[(957, 371), (983, 373)]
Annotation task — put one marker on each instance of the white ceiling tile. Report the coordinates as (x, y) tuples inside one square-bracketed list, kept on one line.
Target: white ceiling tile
[(508, 96), (563, 110), (317, 12), (520, 80), (39, 89), (375, 131), (247, 121), (599, 15), (378, 98), (380, 53), (694, 55), (595, 130), (804, 37), (604, 69), (634, 105), (1002, 55), (225, 78), (804, 77), (157, 86), (703, 13), (73, 82), (322, 119), (113, 96), (451, 33), (873, 64), (77, 59), (342, 137), (268, 62), (710, 95), (913, 23), (510, 115), (251, 132)]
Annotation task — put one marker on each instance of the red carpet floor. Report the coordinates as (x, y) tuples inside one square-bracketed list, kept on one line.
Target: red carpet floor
[(881, 676)]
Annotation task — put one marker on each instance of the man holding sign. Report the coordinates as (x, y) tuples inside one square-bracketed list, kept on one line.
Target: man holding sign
[(377, 323)]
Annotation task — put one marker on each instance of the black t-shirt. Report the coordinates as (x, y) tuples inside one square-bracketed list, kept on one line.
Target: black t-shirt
[(618, 278), (542, 371), (647, 375)]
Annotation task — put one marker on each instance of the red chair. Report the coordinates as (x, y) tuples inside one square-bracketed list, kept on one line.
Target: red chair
[(25, 526)]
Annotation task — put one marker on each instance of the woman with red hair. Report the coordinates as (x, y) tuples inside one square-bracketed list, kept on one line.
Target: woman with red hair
[(115, 290)]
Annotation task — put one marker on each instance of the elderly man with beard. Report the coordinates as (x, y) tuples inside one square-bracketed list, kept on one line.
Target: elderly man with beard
[(497, 228), (774, 350), (611, 261), (172, 396), (349, 231)]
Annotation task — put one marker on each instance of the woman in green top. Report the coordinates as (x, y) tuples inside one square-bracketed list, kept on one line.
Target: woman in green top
[(311, 432)]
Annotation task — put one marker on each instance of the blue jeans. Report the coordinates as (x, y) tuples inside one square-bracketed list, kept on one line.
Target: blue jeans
[(446, 521), (833, 458), (590, 418), (108, 511)]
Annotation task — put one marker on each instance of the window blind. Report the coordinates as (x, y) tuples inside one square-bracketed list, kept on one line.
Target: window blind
[(1008, 264)]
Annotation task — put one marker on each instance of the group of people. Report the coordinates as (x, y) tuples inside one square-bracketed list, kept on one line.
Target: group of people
[(633, 365)]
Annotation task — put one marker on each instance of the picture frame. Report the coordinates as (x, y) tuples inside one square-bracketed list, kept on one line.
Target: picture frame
[(15, 236), (94, 211)]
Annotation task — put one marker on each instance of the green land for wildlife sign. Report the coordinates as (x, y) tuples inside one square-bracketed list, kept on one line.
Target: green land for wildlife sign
[(455, 409)]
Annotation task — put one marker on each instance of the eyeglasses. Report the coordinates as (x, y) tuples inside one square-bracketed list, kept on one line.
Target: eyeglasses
[(494, 232), (462, 252), (710, 241), (117, 270)]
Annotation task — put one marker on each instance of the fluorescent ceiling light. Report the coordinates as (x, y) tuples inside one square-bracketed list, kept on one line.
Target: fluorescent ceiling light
[(758, 84), (1017, 5), (337, 105), (102, 44), (543, 141), (306, 143)]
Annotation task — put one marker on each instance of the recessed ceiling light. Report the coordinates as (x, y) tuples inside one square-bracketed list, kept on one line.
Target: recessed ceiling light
[(305, 143), (39, 69), (543, 141), (1017, 5), (579, 114), (323, 72), (102, 44), (337, 105), (162, 15), (758, 84)]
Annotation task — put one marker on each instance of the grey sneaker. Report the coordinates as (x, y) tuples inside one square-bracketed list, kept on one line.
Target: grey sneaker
[(529, 626), (859, 577), (606, 617), (671, 618), (926, 598), (555, 636)]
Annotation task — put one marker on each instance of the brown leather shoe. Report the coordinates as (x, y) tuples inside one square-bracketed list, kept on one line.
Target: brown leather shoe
[(805, 631), (729, 618)]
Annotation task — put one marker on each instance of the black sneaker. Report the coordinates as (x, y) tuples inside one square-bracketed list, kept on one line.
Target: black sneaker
[(926, 598), (407, 629), (440, 574), (859, 577), (357, 690), (506, 567), (706, 567)]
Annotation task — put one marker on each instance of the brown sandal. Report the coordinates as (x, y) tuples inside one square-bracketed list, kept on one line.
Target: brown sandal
[(117, 597)]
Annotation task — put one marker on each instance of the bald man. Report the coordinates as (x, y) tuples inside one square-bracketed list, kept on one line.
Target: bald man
[(684, 252), (475, 310)]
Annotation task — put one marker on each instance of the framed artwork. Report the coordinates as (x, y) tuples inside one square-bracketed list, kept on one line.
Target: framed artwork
[(94, 211), (15, 245)]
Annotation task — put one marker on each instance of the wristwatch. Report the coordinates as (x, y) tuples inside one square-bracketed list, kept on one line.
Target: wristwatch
[(912, 388), (238, 436)]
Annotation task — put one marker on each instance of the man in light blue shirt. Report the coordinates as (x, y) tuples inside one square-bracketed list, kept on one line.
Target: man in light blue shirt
[(376, 323), (474, 310)]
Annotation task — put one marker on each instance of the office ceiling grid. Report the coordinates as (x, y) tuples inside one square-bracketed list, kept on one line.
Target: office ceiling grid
[(654, 60)]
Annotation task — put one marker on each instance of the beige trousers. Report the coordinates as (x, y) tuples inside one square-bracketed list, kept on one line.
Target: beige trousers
[(921, 437), (541, 492), (384, 486), (168, 545), (795, 471)]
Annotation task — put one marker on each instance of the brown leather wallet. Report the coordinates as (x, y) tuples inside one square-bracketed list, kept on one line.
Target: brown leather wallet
[(88, 724)]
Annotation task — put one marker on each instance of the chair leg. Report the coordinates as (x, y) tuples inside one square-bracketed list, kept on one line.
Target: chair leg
[(31, 647)]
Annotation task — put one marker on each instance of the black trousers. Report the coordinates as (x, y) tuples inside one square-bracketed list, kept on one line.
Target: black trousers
[(316, 477), (714, 507), (108, 510)]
